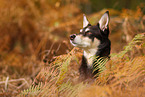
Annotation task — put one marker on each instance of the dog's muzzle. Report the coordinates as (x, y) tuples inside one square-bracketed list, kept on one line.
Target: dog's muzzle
[(72, 37)]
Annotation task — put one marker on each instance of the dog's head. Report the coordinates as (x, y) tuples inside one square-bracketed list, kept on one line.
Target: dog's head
[(91, 36)]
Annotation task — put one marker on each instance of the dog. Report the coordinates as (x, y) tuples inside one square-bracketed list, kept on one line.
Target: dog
[(94, 41)]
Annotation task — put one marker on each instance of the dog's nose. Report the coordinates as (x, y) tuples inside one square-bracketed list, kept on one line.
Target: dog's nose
[(72, 37)]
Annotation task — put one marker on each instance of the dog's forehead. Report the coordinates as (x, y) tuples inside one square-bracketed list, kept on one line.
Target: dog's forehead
[(95, 27), (89, 28)]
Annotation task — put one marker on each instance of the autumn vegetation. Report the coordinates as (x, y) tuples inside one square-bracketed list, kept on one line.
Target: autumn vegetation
[(36, 58)]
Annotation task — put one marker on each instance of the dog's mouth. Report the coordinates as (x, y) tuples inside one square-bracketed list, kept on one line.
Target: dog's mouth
[(73, 43), (78, 44), (72, 40)]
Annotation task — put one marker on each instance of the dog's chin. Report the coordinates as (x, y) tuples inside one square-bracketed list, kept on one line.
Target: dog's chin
[(78, 45)]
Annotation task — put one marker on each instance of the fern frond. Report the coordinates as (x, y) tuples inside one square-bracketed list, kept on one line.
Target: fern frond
[(99, 64), (32, 91), (138, 39)]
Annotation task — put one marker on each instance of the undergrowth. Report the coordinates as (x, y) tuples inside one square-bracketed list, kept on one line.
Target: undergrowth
[(123, 76)]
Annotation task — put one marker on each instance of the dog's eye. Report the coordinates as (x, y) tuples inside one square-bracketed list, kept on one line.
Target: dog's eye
[(88, 33)]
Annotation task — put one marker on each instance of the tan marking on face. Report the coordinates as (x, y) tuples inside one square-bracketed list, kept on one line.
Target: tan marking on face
[(87, 29), (81, 30)]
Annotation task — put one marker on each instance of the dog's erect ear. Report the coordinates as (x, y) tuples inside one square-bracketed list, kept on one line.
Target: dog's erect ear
[(85, 21), (104, 21)]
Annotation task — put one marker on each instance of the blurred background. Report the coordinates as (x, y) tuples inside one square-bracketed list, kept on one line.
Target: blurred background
[(35, 31)]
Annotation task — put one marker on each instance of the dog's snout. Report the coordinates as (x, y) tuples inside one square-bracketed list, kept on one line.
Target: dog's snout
[(72, 37)]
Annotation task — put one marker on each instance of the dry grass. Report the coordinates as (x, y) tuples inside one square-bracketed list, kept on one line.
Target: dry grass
[(123, 76), (35, 31)]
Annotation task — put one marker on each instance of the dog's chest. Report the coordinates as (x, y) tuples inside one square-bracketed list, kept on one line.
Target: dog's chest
[(90, 57)]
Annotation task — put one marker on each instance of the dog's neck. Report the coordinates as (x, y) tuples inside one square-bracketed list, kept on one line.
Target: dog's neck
[(90, 54)]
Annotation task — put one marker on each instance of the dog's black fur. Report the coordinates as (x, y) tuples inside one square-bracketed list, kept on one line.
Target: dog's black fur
[(103, 49)]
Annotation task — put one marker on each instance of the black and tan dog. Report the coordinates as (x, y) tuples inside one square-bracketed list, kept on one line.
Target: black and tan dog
[(93, 40)]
